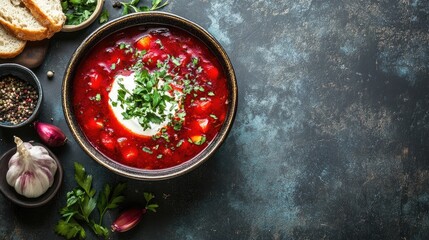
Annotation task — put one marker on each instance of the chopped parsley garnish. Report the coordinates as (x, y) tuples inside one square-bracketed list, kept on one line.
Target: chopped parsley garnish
[(97, 97), (195, 61), (176, 61), (179, 143), (146, 149), (148, 100), (213, 116), (77, 11)]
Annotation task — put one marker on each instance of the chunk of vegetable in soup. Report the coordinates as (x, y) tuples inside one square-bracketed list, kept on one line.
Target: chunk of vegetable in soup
[(150, 98)]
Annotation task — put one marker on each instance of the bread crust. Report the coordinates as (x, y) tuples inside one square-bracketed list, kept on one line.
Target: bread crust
[(13, 54), (43, 18), (25, 34)]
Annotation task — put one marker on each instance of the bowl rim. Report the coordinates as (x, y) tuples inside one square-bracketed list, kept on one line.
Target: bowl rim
[(97, 11), (151, 19), (38, 86), (32, 202)]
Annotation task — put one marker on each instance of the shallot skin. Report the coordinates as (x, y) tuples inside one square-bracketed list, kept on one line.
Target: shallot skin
[(128, 219), (50, 134)]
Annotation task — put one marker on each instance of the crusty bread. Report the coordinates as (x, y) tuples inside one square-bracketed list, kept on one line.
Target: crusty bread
[(48, 12), (18, 19), (10, 46)]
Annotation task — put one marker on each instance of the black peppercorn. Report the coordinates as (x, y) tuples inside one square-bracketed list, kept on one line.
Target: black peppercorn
[(17, 100)]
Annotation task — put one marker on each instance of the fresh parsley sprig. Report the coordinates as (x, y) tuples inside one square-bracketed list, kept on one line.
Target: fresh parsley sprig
[(150, 206), (133, 6), (80, 205)]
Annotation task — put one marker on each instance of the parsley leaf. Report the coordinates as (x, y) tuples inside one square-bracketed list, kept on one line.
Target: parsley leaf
[(104, 17), (70, 230), (83, 180), (148, 197)]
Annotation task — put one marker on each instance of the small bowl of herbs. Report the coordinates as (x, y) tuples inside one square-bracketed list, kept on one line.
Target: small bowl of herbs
[(80, 13)]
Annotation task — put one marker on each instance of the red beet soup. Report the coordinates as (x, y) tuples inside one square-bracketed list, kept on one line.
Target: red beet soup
[(150, 97)]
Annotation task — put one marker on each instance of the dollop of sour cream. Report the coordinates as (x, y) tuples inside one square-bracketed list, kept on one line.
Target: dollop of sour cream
[(133, 123)]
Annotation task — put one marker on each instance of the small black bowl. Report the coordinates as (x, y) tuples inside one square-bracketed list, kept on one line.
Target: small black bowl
[(10, 193), (24, 74)]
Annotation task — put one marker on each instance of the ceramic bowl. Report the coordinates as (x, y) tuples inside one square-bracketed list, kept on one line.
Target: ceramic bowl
[(87, 22), (10, 193), (25, 74), (150, 19)]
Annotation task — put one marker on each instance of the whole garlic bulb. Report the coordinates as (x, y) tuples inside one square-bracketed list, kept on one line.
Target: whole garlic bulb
[(31, 169)]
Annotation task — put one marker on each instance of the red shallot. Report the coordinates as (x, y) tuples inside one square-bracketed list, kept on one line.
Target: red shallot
[(128, 219), (50, 134), (131, 217)]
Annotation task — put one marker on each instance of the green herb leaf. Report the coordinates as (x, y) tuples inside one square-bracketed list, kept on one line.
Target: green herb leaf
[(152, 207), (103, 198), (195, 61), (117, 196), (70, 230), (110, 200), (156, 4), (146, 149), (104, 17), (125, 9), (180, 143), (148, 196), (100, 230), (83, 180), (89, 205)]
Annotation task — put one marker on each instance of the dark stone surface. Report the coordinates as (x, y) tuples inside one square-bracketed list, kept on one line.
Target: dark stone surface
[(331, 139)]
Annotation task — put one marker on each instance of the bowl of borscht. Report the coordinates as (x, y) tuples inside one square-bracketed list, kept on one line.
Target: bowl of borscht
[(150, 96)]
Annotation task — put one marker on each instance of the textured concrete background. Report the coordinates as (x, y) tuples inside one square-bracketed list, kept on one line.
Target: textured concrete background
[(331, 138)]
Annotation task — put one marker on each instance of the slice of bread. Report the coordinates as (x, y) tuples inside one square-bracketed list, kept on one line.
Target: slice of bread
[(10, 46), (18, 19), (48, 12)]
